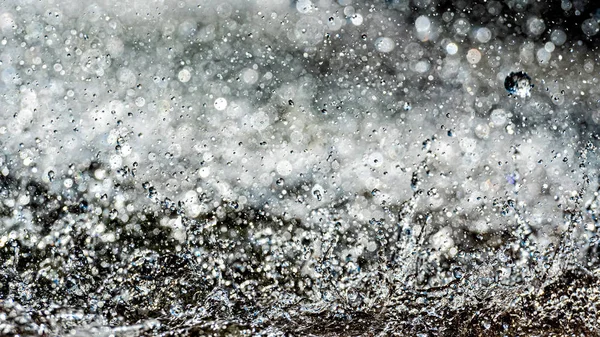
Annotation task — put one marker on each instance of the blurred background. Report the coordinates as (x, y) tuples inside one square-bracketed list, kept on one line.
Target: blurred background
[(276, 167)]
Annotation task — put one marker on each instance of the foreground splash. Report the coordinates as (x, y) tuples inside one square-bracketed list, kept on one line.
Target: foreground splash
[(306, 168)]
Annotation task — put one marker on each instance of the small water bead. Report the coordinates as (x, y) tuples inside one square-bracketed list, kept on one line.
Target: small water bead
[(483, 35), (127, 76), (423, 24), (68, 183), (349, 11), (498, 117), (375, 159), (304, 6), (126, 150), (184, 75), (558, 37), (461, 27), (356, 19), (468, 144), (447, 16), (384, 44), (588, 66), (451, 48), (308, 30), (296, 137), (482, 131), (176, 310), (457, 273), (220, 104), (421, 66), (284, 168), (590, 27), (115, 46), (250, 76), (536, 26), (558, 99), (204, 172), (224, 10), (596, 117), (510, 129), (335, 23), (494, 7), (140, 102), (543, 56), (414, 51), (317, 192), (473, 56)]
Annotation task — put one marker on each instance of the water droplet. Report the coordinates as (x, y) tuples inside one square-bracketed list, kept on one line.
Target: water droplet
[(220, 104)]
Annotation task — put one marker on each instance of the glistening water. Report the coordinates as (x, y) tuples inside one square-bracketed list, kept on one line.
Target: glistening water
[(299, 168)]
